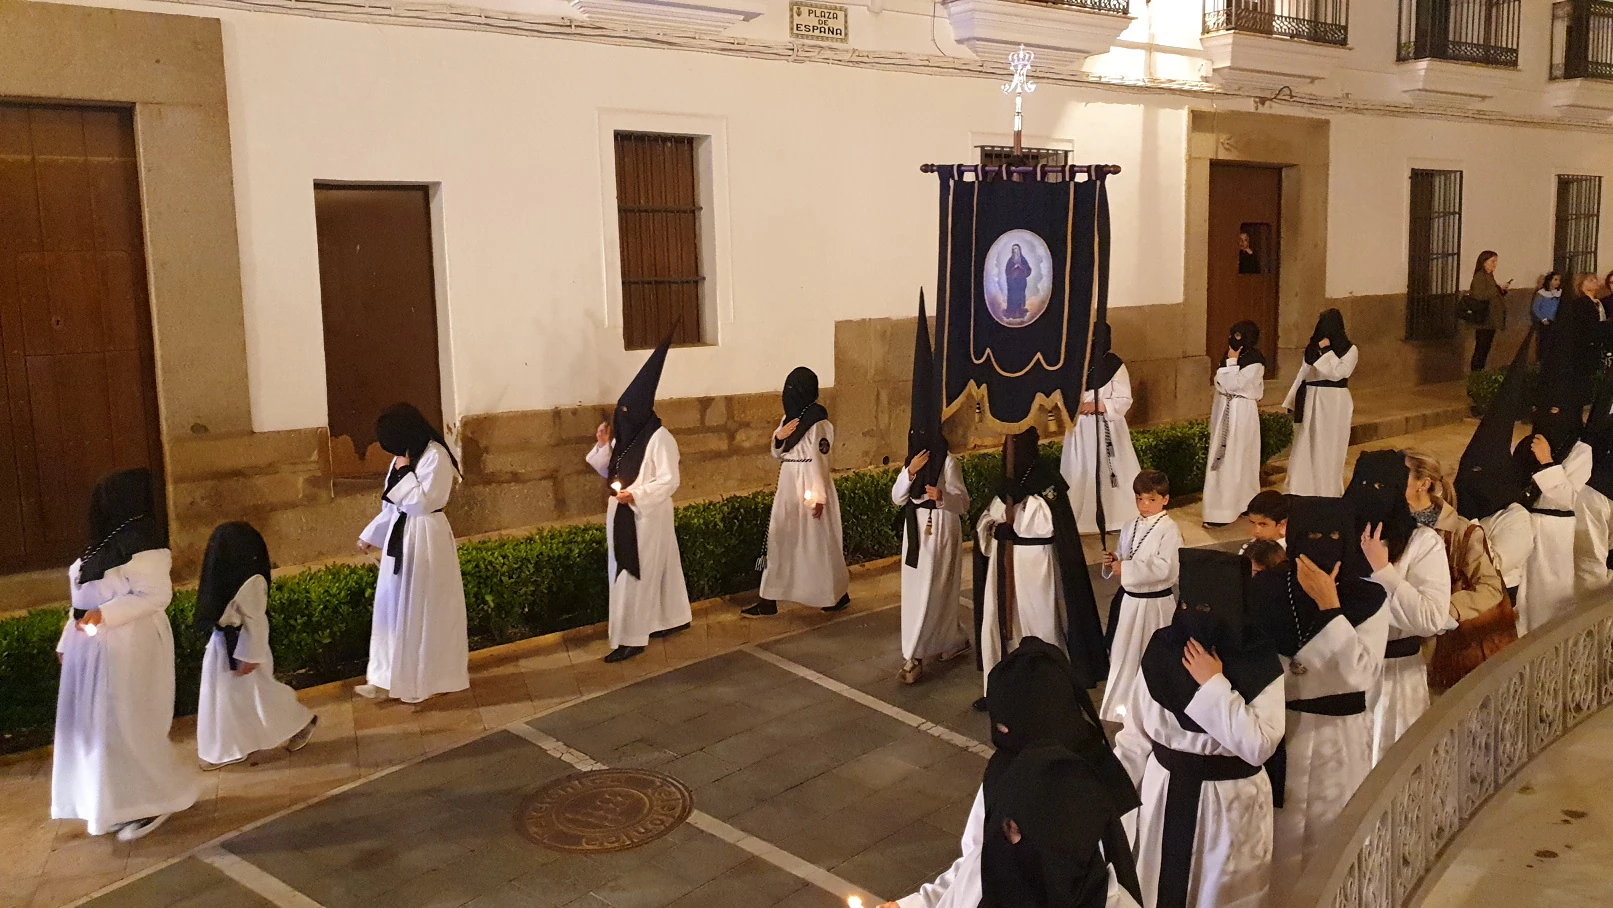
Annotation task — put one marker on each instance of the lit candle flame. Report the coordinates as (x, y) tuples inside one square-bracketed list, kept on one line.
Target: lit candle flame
[(617, 485), (92, 629), (853, 902), (809, 498)]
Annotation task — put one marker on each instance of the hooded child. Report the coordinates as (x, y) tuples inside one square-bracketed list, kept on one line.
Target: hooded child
[(1204, 719), (1232, 474), (112, 765), (243, 708), (805, 560), (1098, 456), (1322, 406), (639, 458), (418, 642)]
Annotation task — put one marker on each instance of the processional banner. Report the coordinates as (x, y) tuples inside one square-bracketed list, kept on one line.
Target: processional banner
[(1024, 270)]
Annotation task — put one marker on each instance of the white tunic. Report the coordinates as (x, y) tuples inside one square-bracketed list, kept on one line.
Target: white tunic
[(1149, 553), (113, 763), (1038, 588), (418, 644), (932, 614), (1511, 534), (1086, 451), (1316, 463), (1547, 589), (1419, 605), (241, 714), (1328, 756), (1593, 514), (959, 886), (1235, 417), (657, 599), (806, 560), (1232, 839)]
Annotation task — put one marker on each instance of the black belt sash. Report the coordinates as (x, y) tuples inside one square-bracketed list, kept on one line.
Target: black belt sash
[(394, 540), (1188, 772), (1551, 512), (1304, 393), (1403, 648), (1113, 625), (1353, 703), (910, 556)]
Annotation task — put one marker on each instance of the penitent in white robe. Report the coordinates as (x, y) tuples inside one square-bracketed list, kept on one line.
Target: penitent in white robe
[(239, 715), (932, 614), (1038, 588), (1316, 463), (1232, 839), (1087, 451), (1328, 756), (657, 599), (1593, 516), (806, 558), (1234, 418), (1547, 589), (1149, 553), (959, 886), (418, 642), (112, 762), (1511, 534), (1419, 605)]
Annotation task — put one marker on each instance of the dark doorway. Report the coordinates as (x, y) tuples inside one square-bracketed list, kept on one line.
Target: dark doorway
[(78, 389), (1244, 258), (378, 288)]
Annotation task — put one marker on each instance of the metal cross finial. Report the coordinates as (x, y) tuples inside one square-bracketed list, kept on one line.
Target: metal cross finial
[(1019, 62)]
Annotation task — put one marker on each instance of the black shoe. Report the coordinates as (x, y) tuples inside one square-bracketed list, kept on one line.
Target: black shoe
[(670, 631), (980, 705), (763, 609), (623, 653), (842, 605)]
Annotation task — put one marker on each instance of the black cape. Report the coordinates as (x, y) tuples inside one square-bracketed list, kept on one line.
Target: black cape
[(633, 425), (1488, 480)]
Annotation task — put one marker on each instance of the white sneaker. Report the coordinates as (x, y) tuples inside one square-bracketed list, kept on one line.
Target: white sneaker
[(300, 739), (213, 767), (370, 691), (139, 829)]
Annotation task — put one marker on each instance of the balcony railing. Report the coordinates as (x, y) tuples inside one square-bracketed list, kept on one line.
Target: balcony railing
[(1321, 21), (1118, 7), (1582, 39), (1464, 31)]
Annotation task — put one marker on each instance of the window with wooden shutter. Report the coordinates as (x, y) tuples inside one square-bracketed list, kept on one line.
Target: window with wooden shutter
[(658, 220)]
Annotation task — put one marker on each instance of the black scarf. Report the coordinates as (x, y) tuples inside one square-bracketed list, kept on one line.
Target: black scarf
[(1105, 362), (123, 522), (1329, 325), (633, 425), (235, 554), (923, 434), (1488, 480), (403, 431), (800, 403), (1245, 338), (1377, 491)]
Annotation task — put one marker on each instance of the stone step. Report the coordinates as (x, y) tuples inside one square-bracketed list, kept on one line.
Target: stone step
[(1382, 413)]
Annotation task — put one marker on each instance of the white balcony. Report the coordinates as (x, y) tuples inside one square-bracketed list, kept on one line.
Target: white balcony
[(1581, 99), (1450, 84), (700, 17), (1255, 62), (1061, 35)]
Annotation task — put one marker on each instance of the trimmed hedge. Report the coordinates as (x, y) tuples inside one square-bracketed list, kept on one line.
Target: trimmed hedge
[(1482, 387), (551, 580)]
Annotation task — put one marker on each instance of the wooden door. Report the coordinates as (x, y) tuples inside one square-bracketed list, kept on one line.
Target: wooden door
[(378, 288), (1245, 224), (78, 392)]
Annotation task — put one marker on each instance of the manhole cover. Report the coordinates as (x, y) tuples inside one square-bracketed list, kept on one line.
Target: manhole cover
[(605, 810)]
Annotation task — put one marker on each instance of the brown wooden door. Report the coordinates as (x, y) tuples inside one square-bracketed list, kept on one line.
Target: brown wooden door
[(78, 393), (379, 293), (1245, 224)]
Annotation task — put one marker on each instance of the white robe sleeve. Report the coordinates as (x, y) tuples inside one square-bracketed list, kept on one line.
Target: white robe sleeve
[(1512, 539), (1557, 490), (930, 894), (1116, 395), (1419, 587), (818, 477), (1132, 744), (658, 479), (1577, 465), (1339, 645), (1591, 509), (1250, 730), (775, 448), (903, 487), (954, 493), (1300, 378), (250, 610), (1332, 367), (425, 490), (599, 458), (1249, 381), (375, 533), (150, 589), (1154, 566), (985, 543)]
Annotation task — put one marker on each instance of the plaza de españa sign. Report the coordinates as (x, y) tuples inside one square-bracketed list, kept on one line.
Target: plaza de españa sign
[(818, 22)]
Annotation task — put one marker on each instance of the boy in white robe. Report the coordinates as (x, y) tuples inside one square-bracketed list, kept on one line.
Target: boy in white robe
[(1098, 455), (1145, 563), (805, 560), (639, 458), (1030, 575), (243, 708), (1267, 513), (419, 646), (1323, 409), (1327, 621), (933, 499), (112, 765), (1206, 715), (1232, 472)]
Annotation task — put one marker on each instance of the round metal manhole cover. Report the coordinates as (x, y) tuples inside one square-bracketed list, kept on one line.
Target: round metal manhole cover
[(604, 810)]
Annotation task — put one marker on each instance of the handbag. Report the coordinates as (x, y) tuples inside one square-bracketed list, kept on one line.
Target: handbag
[(1457, 652), (1473, 311)]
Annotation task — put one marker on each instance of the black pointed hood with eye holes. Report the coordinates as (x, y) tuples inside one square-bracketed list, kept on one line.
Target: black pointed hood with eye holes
[(632, 427), (1323, 530), (1488, 479), (1377, 490)]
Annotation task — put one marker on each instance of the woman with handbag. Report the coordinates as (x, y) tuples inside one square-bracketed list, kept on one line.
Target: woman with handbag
[(1485, 619), (1485, 307)]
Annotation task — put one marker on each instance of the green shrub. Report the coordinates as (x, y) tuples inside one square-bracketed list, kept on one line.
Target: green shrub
[(551, 580)]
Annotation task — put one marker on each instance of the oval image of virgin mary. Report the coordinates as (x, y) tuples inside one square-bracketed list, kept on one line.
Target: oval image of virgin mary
[(1018, 278)]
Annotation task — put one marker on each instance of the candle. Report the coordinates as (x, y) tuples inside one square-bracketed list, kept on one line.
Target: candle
[(92, 629), (616, 485), (853, 902), (809, 501)]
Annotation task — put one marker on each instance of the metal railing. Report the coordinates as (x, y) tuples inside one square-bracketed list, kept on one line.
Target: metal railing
[(1582, 39), (1118, 7), (1320, 21), (1471, 742), (1465, 31)]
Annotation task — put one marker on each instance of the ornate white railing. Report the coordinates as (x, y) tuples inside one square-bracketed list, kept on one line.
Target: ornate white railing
[(1407, 814)]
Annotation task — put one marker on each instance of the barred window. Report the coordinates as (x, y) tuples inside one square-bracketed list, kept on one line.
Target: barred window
[(658, 219), (1579, 217), (998, 155), (1434, 267)]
